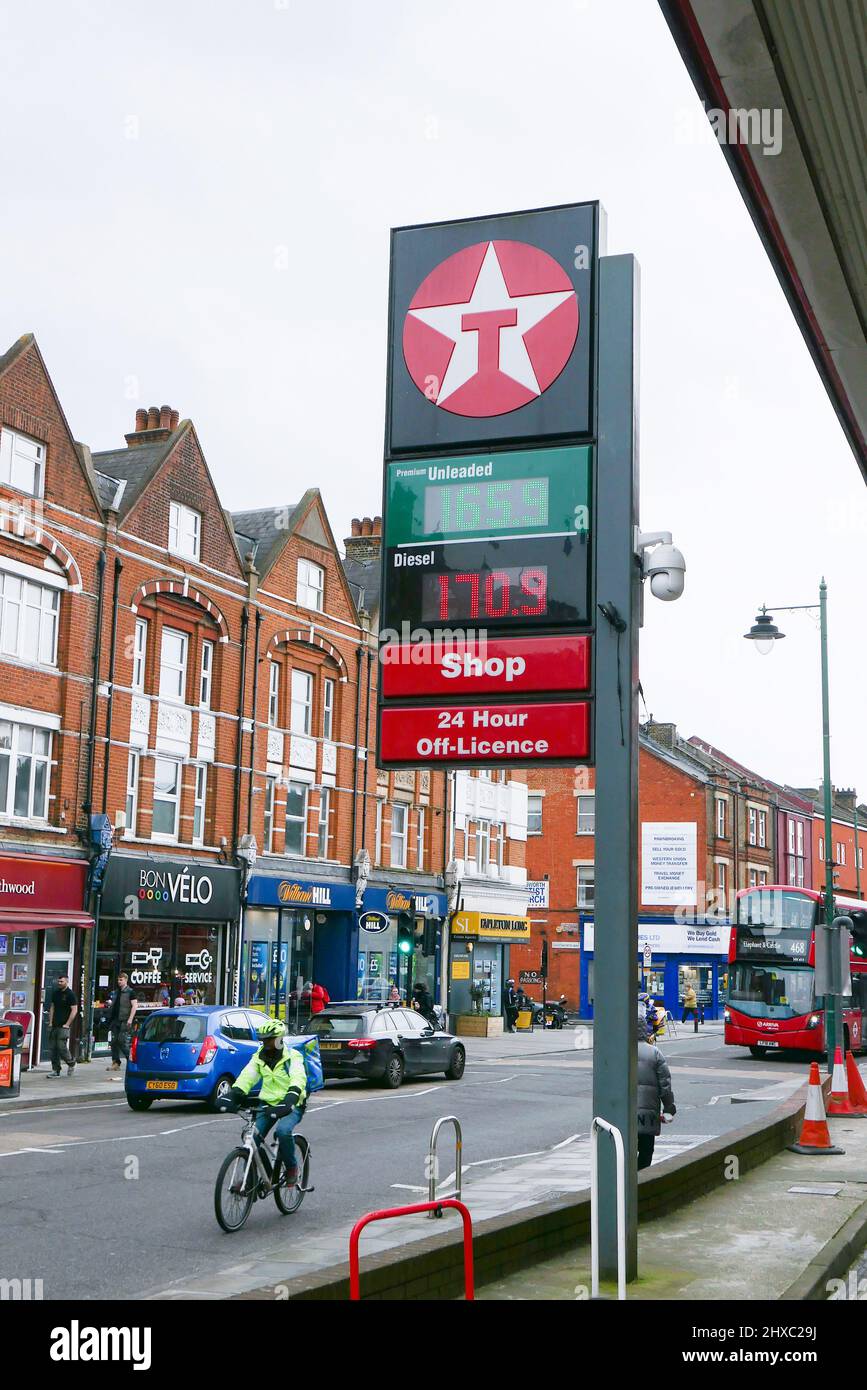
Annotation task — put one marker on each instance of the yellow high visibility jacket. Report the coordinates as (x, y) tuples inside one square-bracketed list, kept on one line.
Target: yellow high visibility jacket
[(286, 1075)]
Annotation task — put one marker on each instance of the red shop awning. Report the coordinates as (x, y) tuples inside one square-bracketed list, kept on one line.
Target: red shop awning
[(12, 920)]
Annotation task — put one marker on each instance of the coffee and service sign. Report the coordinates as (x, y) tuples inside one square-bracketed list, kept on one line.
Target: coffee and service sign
[(170, 889), (489, 486)]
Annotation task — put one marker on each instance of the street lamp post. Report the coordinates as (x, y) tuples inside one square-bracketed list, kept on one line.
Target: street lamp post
[(765, 634)]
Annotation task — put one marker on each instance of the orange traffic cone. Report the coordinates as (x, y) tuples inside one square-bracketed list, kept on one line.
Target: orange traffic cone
[(857, 1092), (815, 1135), (840, 1104)]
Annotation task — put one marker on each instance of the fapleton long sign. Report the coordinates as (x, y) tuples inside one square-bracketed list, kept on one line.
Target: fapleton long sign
[(170, 889)]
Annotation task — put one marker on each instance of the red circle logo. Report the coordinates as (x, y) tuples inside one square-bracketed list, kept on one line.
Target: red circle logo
[(490, 328)]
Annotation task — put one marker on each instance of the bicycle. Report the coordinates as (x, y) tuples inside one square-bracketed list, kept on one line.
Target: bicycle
[(254, 1170)]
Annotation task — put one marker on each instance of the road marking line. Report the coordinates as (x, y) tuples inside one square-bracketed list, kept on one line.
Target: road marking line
[(55, 1109)]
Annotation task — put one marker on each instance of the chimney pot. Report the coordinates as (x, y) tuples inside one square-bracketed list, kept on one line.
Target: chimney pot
[(141, 419), (165, 416), (356, 526), (366, 526), (153, 418), (173, 421), (377, 526)]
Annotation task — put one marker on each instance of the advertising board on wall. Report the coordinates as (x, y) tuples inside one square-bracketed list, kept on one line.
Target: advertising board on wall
[(668, 863)]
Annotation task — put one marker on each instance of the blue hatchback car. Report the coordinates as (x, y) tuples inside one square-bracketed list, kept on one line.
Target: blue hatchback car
[(190, 1053)]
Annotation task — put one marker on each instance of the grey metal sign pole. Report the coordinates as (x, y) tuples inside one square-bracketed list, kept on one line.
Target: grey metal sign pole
[(618, 597)]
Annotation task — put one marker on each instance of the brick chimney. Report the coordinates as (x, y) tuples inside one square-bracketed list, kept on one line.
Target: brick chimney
[(366, 538), (845, 797), (152, 426), (663, 734)]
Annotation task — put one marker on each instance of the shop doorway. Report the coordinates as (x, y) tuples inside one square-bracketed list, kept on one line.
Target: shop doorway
[(57, 962)]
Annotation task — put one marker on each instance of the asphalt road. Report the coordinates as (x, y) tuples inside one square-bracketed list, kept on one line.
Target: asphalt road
[(101, 1202)]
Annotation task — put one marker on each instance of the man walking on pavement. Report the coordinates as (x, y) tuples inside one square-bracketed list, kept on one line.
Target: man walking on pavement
[(62, 1009), (690, 1006), (510, 1005), (654, 1091), (119, 1015)]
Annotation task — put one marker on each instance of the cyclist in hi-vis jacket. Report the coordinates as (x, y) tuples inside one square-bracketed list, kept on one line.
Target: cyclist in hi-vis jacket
[(284, 1087)]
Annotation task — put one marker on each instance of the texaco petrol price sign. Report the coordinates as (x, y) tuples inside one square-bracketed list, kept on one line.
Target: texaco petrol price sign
[(489, 481)]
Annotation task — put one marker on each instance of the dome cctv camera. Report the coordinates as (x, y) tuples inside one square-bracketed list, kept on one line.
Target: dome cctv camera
[(665, 567)]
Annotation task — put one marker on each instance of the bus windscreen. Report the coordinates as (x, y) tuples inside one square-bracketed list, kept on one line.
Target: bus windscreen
[(775, 907), (761, 992)]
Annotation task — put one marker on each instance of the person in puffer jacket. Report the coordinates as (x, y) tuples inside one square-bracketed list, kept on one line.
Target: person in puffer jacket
[(654, 1092)]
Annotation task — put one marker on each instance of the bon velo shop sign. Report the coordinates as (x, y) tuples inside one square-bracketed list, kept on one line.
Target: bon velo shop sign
[(675, 938), (170, 889)]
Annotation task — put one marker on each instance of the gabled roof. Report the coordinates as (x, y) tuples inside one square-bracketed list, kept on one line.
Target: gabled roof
[(137, 466), (265, 530), (690, 766)]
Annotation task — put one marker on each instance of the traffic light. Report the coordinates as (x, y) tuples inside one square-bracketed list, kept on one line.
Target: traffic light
[(430, 936), (405, 933)]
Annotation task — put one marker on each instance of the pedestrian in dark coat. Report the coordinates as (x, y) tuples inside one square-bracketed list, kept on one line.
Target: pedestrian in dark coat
[(654, 1094), (510, 1005)]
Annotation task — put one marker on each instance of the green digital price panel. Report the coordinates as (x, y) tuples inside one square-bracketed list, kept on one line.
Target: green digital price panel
[(509, 496)]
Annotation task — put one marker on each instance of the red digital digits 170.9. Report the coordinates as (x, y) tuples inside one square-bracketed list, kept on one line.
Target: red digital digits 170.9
[(504, 594)]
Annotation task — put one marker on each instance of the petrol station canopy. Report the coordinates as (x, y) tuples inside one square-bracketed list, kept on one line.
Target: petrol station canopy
[(806, 59)]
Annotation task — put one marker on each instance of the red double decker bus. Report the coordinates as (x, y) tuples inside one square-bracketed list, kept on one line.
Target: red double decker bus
[(772, 1003)]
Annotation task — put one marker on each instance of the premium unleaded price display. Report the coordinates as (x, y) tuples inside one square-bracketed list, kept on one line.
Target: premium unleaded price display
[(501, 542)]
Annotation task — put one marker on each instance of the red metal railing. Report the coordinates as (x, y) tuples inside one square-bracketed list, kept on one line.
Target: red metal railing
[(354, 1278)]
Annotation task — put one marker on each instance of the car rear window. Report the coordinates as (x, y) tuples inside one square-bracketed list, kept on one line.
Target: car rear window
[(163, 1028), (338, 1025)]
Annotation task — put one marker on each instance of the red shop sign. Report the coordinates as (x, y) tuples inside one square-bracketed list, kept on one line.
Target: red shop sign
[(491, 666), (35, 884), (485, 733)]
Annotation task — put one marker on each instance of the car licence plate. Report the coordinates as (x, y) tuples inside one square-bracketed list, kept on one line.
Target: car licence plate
[(329, 1047), (767, 1042), (161, 1085)]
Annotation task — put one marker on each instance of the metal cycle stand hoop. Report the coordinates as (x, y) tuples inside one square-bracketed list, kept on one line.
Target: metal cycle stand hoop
[(432, 1157), (595, 1127), (354, 1274)]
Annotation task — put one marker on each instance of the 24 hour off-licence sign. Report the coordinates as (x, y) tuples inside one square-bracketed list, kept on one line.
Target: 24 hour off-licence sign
[(488, 507)]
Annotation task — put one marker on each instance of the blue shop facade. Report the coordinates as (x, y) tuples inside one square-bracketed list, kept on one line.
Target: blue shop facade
[(680, 954), (298, 930)]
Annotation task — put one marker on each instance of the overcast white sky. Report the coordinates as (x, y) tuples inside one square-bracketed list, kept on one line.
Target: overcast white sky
[(196, 203)]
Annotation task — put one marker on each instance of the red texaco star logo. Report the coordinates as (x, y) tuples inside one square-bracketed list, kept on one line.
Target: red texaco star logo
[(490, 328)]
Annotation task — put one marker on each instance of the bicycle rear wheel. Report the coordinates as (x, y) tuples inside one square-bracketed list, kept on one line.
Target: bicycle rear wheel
[(289, 1199), (232, 1207)]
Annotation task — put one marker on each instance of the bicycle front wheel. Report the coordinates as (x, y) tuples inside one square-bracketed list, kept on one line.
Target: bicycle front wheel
[(289, 1199), (232, 1198)]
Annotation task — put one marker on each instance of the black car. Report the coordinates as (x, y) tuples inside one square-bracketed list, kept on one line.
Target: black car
[(384, 1043)]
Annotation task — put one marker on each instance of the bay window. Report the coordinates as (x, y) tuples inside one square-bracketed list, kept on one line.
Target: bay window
[(139, 651), (327, 708), (322, 844), (28, 619), (274, 695), (167, 787), (270, 789), (25, 771), (199, 804), (206, 676), (399, 817), (301, 702), (296, 818), (132, 792), (173, 666)]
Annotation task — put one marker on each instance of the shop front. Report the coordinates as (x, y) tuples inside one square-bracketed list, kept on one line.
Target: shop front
[(382, 964), (296, 931), (680, 955), (41, 938), (479, 961), (171, 926)]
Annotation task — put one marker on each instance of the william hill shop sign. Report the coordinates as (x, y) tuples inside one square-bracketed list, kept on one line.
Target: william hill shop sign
[(488, 928)]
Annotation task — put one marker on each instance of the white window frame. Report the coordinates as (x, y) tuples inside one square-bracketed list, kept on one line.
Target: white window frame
[(791, 835), (274, 695), (754, 822), (270, 801), (45, 603), (721, 817), (306, 590), (584, 897), (164, 836), (860, 856), (304, 704), (131, 807), (377, 839), (297, 820), (15, 446), (822, 848), (532, 814), (322, 824), (419, 839), (722, 879), (585, 829), (172, 698), (329, 686), (800, 840), (841, 853), (206, 675), (10, 757), (139, 654), (185, 531), (199, 802), (763, 878), (399, 837), (763, 829)]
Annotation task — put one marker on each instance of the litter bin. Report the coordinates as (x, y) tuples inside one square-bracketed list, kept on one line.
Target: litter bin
[(11, 1047)]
